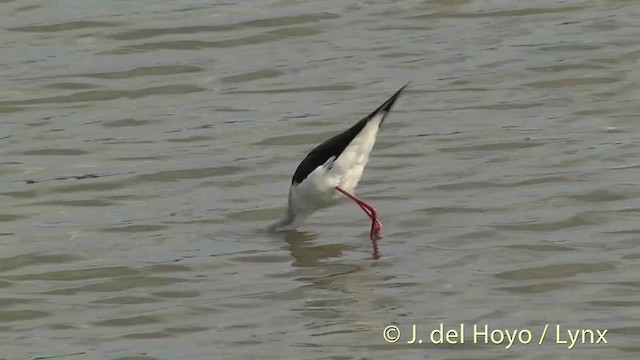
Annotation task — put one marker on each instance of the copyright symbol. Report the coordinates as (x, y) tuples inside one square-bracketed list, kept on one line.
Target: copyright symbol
[(391, 334)]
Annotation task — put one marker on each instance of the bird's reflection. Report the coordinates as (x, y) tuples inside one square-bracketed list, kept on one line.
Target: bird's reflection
[(307, 254), (338, 291), (375, 251)]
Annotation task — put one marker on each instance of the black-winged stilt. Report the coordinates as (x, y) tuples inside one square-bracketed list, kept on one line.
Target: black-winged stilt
[(331, 171)]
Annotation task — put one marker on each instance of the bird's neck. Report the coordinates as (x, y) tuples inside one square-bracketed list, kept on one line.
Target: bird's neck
[(291, 219), (288, 222)]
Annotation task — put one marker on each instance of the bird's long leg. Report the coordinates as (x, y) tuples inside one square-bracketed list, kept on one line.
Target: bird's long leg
[(376, 225), (370, 210), (366, 208)]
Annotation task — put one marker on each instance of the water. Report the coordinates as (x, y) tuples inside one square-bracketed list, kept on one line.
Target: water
[(145, 146)]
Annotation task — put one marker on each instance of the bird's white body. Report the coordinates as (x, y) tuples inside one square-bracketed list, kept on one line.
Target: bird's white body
[(331, 171), (318, 191)]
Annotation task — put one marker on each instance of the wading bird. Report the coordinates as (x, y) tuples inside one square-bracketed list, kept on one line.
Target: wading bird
[(331, 171)]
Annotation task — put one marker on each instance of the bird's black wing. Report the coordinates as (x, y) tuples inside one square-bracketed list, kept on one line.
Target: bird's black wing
[(336, 145)]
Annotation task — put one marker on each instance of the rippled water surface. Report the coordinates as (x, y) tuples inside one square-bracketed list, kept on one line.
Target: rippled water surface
[(145, 145)]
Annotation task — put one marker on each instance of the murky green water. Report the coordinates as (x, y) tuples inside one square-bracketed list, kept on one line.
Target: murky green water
[(145, 145)]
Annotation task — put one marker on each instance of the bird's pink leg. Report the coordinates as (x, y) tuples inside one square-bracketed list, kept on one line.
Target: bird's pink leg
[(376, 225)]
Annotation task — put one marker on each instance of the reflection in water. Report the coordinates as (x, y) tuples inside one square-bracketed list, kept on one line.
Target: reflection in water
[(375, 251), (337, 290), (340, 293), (308, 255)]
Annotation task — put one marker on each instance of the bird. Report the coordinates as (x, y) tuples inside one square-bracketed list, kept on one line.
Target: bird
[(332, 170)]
